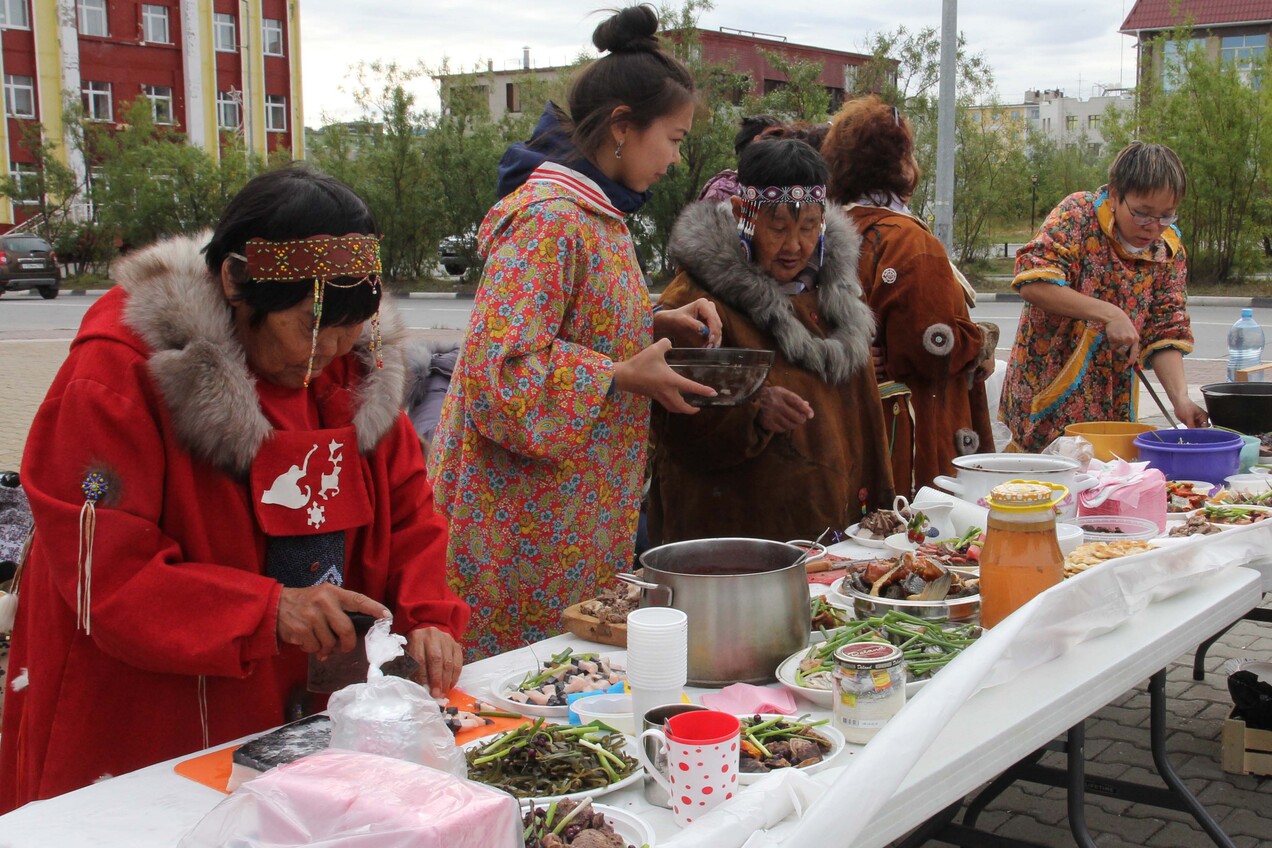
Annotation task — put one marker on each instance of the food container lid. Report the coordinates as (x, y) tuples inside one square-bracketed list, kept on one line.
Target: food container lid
[(1025, 496), (868, 654)]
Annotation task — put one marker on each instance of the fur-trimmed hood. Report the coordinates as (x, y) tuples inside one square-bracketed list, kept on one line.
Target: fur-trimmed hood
[(704, 243), (178, 310)]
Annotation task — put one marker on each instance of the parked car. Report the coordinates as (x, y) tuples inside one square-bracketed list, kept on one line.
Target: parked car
[(451, 252), (28, 262)]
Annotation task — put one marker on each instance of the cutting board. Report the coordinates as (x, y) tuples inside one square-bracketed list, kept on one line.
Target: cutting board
[(593, 629)]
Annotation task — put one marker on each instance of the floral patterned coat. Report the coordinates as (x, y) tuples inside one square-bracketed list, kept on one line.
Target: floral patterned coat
[(1062, 370), (535, 461)]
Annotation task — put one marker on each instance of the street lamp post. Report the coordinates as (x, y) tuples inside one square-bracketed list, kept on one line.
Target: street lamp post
[(1033, 201)]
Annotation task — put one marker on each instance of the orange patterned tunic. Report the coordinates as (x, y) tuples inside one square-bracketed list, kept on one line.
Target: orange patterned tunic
[(1062, 370), (535, 461)]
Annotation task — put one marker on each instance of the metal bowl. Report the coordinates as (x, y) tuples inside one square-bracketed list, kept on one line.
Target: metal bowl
[(735, 373), (963, 610), (1244, 407)]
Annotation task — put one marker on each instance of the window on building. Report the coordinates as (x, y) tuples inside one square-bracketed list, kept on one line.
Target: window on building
[(154, 24), (1070, 122), (92, 18), (1093, 122), (229, 109), (160, 103), (26, 179), (1244, 51), (1015, 114), (1174, 68), (275, 113), (19, 96), (512, 97), (96, 96), (1046, 125), (272, 36), (1094, 148), (1033, 113), (224, 33), (14, 15)]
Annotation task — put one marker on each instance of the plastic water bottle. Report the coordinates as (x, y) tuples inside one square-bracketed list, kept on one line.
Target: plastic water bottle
[(1245, 344)]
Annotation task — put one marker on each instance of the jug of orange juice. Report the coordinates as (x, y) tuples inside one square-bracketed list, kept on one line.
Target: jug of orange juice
[(1021, 556)]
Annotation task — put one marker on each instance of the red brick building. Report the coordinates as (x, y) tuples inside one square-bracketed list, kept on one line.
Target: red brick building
[(207, 67), (1235, 31)]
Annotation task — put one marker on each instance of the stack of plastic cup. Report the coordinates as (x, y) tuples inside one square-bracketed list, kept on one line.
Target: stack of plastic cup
[(657, 657)]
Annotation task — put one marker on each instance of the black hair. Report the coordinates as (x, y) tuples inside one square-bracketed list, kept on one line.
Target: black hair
[(637, 74), (752, 126), (292, 203), (781, 162)]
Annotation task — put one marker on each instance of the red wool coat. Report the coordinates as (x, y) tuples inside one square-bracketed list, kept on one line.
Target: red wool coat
[(155, 396)]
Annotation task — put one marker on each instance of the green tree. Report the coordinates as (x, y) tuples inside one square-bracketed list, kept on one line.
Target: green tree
[(1218, 118), (802, 97)]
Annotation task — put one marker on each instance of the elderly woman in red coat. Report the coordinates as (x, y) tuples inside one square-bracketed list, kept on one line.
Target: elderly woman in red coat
[(927, 339), (220, 471)]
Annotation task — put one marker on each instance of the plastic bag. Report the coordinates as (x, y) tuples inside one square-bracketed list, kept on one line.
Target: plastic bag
[(390, 716), (1074, 447), (342, 798)]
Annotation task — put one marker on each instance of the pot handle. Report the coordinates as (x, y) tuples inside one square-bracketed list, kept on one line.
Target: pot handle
[(949, 484), (647, 587)]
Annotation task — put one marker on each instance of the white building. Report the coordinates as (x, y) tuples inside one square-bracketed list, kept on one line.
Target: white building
[(1065, 120)]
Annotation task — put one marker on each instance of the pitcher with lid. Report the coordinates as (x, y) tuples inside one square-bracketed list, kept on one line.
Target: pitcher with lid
[(1021, 556)]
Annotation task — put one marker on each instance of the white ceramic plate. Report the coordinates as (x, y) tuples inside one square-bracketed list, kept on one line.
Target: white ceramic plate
[(629, 749), (632, 830), (832, 735), (501, 687), (862, 540), (899, 543), (1222, 526)]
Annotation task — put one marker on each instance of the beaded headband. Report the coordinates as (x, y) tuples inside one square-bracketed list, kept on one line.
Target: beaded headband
[(753, 197), (322, 259)]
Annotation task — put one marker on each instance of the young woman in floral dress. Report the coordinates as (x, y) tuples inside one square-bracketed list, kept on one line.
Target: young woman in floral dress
[(539, 456)]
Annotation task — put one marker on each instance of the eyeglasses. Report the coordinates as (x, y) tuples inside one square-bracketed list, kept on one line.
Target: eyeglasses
[(1159, 220)]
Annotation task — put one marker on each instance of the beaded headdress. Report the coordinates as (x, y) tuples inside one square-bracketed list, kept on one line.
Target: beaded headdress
[(323, 259), (753, 197)]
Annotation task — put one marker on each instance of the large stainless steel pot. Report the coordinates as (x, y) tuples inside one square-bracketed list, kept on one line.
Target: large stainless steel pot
[(746, 599)]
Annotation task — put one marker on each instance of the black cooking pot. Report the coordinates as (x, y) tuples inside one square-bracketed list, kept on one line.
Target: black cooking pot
[(1244, 407)]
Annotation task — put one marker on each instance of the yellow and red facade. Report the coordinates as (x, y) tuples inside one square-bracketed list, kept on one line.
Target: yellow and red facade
[(121, 50)]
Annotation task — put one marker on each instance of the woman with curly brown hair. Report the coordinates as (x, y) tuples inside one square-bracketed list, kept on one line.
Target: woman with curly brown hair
[(928, 347)]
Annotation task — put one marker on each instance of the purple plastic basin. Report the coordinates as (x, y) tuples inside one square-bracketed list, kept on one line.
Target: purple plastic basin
[(1209, 455)]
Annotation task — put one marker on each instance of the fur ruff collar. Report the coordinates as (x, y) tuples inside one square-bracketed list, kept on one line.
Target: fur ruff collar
[(704, 243), (201, 369)]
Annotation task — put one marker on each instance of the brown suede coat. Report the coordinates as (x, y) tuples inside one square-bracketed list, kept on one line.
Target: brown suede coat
[(717, 473), (929, 342)]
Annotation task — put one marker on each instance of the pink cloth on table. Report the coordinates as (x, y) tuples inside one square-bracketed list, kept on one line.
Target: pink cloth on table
[(745, 699)]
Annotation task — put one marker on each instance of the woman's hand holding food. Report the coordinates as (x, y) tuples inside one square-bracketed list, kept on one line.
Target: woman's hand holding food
[(695, 324), (647, 373), (781, 410), (316, 620), (439, 656)]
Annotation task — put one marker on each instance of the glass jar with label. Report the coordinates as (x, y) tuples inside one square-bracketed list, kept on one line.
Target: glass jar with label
[(1021, 555), (869, 687)]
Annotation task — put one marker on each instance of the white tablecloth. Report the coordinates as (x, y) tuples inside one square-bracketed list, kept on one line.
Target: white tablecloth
[(1072, 651)]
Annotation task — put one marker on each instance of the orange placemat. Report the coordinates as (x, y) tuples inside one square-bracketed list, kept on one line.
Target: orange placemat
[(213, 768)]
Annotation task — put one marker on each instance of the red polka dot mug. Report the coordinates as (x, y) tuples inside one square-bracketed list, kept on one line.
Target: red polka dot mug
[(702, 761)]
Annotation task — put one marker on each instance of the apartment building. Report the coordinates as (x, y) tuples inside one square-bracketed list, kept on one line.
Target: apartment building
[(739, 50), (1235, 31), (1065, 120), (207, 67)]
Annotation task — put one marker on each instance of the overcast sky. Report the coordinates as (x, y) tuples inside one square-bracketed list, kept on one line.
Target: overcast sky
[(1072, 46)]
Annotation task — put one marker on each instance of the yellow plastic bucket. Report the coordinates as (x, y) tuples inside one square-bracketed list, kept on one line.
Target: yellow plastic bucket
[(1111, 439)]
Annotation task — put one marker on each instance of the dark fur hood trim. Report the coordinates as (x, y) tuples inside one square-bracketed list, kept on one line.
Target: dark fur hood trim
[(704, 243), (196, 360)]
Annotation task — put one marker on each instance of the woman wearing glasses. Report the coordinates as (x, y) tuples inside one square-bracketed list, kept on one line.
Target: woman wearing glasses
[(1104, 286)]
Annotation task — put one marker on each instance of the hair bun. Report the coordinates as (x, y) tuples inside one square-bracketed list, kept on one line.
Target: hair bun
[(633, 29)]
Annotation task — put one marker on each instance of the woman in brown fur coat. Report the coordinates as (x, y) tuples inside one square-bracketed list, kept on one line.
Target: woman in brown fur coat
[(927, 339), (809, 451)]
